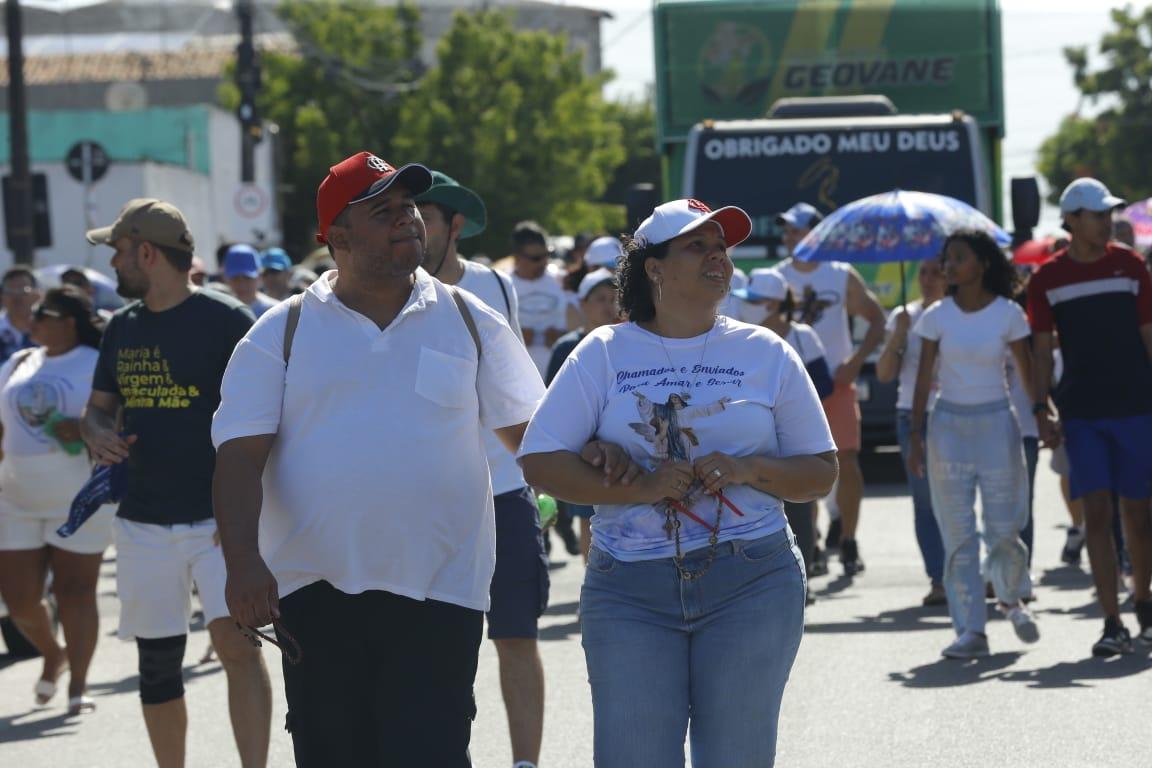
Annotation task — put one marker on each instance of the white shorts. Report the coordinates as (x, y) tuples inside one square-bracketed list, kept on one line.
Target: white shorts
[(156, 566), (22, 531)]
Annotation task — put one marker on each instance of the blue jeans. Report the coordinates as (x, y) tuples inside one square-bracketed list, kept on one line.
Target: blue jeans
[(970, 447), (927, 531), (712, 655)]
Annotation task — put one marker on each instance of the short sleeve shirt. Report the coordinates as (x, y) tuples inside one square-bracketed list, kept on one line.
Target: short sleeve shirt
[(1097, 310), (165, 368), (739, 389)]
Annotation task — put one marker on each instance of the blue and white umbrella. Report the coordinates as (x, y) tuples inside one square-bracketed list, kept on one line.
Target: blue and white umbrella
[(893, 226)]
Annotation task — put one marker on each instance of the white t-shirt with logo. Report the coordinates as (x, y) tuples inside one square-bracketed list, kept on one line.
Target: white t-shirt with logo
[(485, 284), (37, 476), (543, 305), (378, 479), (972, 348), (821, 302), (739, 389)]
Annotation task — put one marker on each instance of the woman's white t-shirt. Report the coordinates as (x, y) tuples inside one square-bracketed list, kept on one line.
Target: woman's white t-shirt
[(738, 389), (37, 477), (972, 348), (910, 360), (804, 339)]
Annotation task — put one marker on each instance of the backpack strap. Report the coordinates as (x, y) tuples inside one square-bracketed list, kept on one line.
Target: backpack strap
[(503, 292), (468, 319), (295, 304)]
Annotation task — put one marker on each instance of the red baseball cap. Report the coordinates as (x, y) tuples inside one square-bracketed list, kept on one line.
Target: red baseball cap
[(362, 177)]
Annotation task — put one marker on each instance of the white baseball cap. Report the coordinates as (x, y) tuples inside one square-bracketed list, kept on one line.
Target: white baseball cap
[(1088, 195), (801, 215), (763, 283), (603, 252), (594, 280), (679, 217)]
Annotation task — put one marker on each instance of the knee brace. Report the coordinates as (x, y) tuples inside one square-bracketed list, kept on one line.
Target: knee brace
[(161, 659)]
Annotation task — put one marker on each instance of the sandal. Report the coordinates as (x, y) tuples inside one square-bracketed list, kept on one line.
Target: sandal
[(81, 705), (45, 690)]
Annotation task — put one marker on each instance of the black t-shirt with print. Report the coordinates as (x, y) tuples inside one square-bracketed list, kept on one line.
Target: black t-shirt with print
[(166, 367)]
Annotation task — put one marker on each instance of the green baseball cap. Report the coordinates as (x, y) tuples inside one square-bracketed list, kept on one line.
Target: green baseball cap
[(448, 192)]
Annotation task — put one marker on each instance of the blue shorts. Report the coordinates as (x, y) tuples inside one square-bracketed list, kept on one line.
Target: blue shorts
[(1110, 455), (520, 584)]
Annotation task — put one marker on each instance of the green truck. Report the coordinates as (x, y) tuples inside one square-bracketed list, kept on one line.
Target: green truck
[(722, 65)]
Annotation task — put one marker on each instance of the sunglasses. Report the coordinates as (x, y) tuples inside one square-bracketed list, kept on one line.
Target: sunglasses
[(41, 312), (292, 652)]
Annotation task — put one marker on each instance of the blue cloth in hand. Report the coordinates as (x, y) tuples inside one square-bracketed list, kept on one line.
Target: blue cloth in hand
[(105, 486)]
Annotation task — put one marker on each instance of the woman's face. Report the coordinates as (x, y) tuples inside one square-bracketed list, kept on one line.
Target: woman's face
[(962, 266), (697, 268), (600, 306), (52, 327), (931, 278)]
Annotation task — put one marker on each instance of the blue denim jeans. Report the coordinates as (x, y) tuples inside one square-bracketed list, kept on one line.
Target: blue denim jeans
[(927, 531), (711, 656), (974, 447)]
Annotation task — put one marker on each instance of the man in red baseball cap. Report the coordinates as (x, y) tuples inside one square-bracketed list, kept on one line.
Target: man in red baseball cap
[(375, 512)]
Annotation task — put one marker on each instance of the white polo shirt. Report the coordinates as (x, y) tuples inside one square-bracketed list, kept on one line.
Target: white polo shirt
[(378, 479)]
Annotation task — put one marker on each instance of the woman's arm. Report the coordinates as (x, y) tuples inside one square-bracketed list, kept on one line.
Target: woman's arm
[(1022, 354), (929, 348), (794, 478), (892, 356), (568, 477)]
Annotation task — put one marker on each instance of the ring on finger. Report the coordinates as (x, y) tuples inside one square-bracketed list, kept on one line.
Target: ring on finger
[(717, 474)]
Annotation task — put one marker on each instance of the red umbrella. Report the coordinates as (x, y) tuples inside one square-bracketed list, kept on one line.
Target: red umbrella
[(1034, 251)]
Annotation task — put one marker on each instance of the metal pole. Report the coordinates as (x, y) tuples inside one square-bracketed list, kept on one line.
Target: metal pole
[(22, 236)]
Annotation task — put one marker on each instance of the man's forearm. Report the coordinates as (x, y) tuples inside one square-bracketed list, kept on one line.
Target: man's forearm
[(96, 420), (237, 496)]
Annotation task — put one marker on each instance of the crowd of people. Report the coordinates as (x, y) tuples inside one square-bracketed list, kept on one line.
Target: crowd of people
[(350, 450)]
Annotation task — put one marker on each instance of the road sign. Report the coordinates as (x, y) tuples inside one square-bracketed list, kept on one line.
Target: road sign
[(250, 201), (87, 162)]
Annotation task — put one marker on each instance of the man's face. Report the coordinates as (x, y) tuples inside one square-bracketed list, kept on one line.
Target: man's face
[(243, 286), (1093, 228), (385, 235), (19, 294), (131, 281), (438, 232), (275, 282), (531, 260), (793, 235)]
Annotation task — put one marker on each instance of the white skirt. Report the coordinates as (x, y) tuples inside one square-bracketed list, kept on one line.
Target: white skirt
[(42, 485)]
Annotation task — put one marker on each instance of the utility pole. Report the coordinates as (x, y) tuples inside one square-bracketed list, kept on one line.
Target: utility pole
[(21, 237), (248, 80)]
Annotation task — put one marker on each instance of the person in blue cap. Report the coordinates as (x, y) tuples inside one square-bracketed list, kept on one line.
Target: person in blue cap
[(242, 274), (276, 273)]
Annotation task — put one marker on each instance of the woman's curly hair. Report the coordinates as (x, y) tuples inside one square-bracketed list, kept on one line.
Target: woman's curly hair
[(1000, 276), (633, 286)]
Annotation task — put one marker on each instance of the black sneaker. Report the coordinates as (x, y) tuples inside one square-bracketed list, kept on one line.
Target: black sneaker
[(1144, 616), (819, 564), (850, 557), (1073, 546), (1113, 641), (832, 540)]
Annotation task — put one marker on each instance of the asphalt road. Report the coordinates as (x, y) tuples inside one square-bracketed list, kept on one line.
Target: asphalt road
[(868, 688)]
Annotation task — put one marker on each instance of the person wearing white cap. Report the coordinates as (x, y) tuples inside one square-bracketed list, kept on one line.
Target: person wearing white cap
[(597, 297), (768, 301), (604, 252), (725, 424), (1093, 290), (828, 294)]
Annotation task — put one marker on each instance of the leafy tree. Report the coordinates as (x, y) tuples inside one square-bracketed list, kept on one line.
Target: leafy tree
[(512, 115), (335, 96), (637, 118), (1106, 145)]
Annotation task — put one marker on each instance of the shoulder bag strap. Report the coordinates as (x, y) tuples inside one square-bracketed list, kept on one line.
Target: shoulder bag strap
[(295, 304), (504, 293), (468, 319)]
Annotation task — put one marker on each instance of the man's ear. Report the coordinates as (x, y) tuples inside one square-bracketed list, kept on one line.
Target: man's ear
[(457, 226), (338, 237), (147, 254)]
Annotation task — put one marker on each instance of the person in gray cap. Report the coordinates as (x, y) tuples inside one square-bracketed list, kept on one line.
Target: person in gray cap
[(519, 591), (1096, 296), (156, 386)]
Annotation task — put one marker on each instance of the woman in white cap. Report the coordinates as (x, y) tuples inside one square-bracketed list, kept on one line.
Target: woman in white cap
[(768, 301), (693, 601)]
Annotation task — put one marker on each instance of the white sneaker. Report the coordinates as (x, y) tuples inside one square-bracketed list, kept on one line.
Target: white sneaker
[(1023, 623), (969, 645)]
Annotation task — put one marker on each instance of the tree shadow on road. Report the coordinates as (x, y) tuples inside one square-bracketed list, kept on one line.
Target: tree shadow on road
[(910, 619), (1082, 673), (12, 729), (951, 673)]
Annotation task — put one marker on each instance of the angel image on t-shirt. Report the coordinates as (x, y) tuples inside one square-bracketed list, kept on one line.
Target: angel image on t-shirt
[(667, 426)]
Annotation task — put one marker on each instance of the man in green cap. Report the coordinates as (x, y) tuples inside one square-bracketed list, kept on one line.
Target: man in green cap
[(519, 589)]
